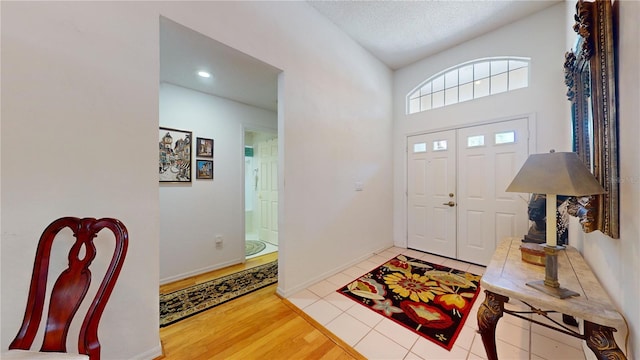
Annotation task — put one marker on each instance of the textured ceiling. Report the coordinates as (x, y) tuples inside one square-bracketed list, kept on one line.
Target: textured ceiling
[(402, 32)]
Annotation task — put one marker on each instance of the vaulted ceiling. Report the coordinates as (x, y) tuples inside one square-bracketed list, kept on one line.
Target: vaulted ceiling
[(396, 32)]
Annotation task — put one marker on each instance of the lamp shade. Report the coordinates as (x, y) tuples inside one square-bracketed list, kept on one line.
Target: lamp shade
[(559, 173)]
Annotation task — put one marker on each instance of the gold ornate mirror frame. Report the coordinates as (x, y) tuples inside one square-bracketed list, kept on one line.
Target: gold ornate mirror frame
[(590, 76)]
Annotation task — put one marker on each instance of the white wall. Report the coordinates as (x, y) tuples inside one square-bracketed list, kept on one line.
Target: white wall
[(616, 261), (544, 100), (191, 215), (334, 117), (79, 137), (80, 117), (330, 134)]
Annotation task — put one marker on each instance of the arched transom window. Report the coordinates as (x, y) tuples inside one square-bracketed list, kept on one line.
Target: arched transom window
[(470, 80)]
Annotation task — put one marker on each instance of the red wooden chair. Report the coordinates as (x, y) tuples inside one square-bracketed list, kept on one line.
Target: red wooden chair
[(68, 292)]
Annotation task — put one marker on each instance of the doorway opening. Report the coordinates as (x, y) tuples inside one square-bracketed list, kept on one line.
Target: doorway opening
[(260, 192)]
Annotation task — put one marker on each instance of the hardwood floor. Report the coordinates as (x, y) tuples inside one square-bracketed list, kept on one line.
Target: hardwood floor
[(259, 325)]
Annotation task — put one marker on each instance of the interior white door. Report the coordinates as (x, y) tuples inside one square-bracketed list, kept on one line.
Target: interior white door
[(431, 215), (489, 156), (268, 190)]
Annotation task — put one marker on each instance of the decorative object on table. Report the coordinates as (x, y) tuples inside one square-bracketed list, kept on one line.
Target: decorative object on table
[(204, 147), (537, 214), (204, 169), (181, 304), (428, 299), (554, 173), (532, 253), (590, 75), (532, 250), (175, 155)]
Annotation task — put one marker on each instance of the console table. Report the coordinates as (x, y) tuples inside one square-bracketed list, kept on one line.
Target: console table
[(506, 277)]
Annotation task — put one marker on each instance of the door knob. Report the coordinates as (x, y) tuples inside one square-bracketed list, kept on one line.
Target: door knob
[(450, 203)]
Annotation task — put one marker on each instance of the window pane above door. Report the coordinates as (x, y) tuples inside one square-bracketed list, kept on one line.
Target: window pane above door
[(506, 137), (419, 147), (440, 145), (476, 140)]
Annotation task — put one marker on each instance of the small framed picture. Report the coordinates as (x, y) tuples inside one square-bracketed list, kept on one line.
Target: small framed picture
[(204, 147), (204, 169), (175, 155)]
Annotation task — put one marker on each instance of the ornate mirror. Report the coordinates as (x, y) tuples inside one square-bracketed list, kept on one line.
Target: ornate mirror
[(590, 77)]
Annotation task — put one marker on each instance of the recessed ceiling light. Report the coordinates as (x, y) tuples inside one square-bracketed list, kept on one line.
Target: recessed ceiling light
[(204, 74)]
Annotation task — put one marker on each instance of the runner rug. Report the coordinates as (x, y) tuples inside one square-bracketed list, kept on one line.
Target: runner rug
[(181, 304), (433, 301)]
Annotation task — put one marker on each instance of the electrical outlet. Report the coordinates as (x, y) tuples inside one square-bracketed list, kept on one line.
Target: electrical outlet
[(219, 240)]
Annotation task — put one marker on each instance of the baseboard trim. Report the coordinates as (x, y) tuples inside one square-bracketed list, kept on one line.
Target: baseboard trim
[(155, 353), (196, 272), (290, 291)]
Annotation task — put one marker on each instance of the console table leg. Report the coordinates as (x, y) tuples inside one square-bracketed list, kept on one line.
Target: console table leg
[(488, 315), (600, 340)]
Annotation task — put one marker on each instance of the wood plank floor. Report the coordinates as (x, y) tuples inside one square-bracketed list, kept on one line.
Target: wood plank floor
[(260, 325)]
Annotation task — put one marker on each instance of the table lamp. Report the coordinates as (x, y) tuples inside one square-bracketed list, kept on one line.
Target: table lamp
[(554, 173)]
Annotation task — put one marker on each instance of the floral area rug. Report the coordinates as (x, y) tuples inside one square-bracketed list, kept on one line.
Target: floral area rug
[(180, 304), (431, 300)]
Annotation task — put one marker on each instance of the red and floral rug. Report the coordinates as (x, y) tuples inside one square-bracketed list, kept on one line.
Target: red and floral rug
[(429, 299)]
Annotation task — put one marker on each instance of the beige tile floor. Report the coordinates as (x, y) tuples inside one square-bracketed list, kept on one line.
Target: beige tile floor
[(379, 338)]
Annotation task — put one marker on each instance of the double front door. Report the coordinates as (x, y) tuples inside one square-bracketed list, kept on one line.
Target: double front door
[(457, 204)]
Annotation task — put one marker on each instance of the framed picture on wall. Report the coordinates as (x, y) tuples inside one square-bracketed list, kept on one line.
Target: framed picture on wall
[(175, 155), (204, 147), (204, 169)]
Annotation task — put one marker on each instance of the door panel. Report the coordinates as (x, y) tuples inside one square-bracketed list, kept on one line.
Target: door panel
[(486, 213), (431, 178), (268, 191)]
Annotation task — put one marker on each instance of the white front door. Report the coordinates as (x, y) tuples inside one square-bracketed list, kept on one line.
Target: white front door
[(268, 191), (431, 186), (457, 206), (489, 157)]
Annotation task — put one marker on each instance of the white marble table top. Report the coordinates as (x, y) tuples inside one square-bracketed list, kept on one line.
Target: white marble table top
[(507, 275)]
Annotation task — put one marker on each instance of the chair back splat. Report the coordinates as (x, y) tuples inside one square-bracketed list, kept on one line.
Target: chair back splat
[(71, 287)]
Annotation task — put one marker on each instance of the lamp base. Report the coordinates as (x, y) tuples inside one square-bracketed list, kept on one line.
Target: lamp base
[(558, 292)]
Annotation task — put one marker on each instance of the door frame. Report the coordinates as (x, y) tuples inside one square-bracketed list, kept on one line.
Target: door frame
[(532, 148)]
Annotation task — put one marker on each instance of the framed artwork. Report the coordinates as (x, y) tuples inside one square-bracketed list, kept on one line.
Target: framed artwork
[(204, 169), (204, 147), (175, 155)]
